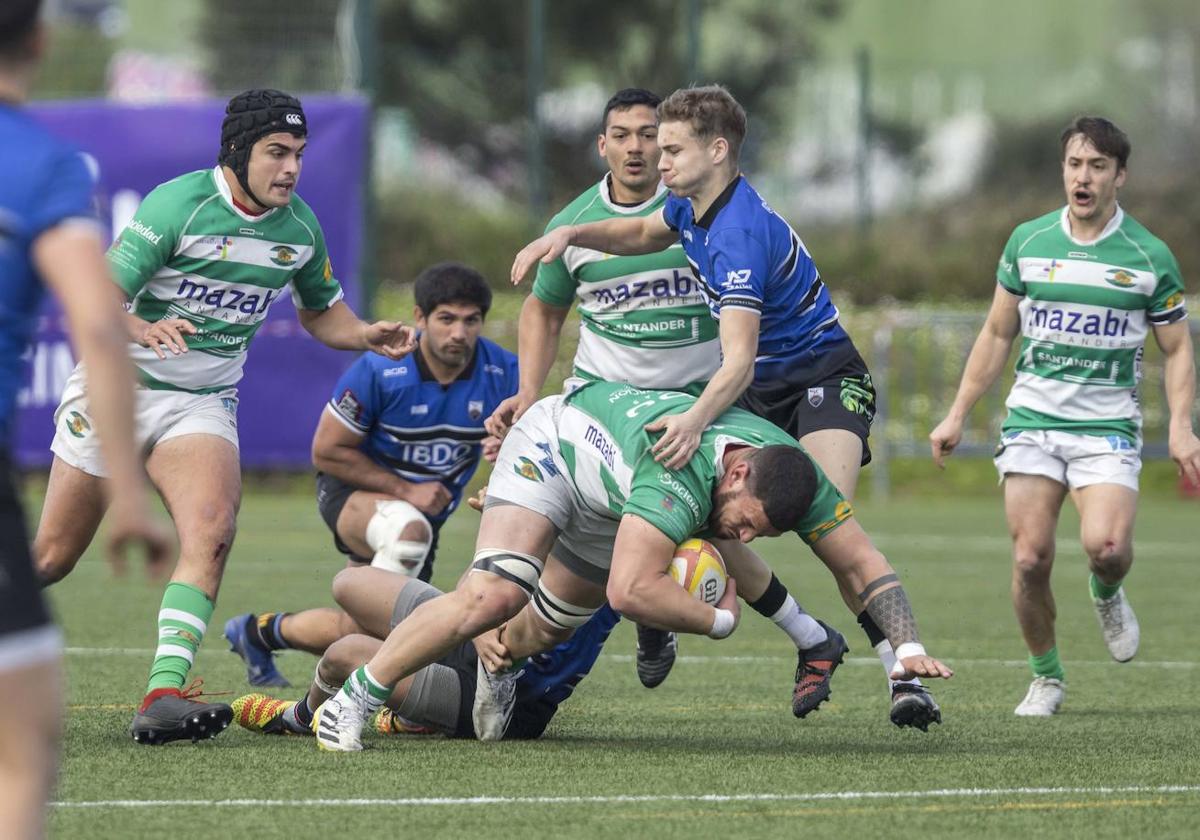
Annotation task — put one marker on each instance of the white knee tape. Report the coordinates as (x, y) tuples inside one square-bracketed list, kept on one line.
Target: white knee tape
[(558, 612), (522, 569), (383, 534), (321, 684)]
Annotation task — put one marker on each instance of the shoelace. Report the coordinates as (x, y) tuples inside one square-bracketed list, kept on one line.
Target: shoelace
[(1111, 612), (195, 691)]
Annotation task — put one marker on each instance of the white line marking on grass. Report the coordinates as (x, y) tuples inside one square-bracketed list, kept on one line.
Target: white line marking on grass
[(704, 660), (846, 795)]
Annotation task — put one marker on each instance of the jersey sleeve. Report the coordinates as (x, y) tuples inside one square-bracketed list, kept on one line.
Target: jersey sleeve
[(675, 502), (1166, 304), (67, 193), (1008, 274), (313, 284), (554, 284), (356, 397), (675, 210), (829, 509), (147, 242), (740, 271)]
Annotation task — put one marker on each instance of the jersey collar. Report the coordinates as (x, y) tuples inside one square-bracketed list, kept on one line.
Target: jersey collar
[(1109, 229), (718, 204), (626, 209), (227, 195)]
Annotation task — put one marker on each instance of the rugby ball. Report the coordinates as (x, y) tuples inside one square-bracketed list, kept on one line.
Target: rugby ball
[(697, 567)]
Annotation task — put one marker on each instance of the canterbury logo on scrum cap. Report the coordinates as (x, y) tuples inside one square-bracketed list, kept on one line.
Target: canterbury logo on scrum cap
[(294, 119)]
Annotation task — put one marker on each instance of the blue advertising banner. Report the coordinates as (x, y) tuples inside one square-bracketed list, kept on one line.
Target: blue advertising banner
[(289, 374)]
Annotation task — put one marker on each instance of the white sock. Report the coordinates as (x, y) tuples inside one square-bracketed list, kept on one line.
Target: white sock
[(888, 657), (801, 627)]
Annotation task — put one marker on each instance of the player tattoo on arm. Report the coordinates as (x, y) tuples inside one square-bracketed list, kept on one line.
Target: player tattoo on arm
[(890, 610)]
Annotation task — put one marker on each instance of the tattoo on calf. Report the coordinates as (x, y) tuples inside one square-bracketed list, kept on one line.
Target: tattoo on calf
[(891, 611)]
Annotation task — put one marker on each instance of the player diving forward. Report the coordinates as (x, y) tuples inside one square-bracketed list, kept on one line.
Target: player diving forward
[(396, 445), (785, 355), (438, 697), (203, 259), (574, 470), (645, 321)]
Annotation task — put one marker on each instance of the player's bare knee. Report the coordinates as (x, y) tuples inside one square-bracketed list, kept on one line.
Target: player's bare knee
[(1108, 556), (344, 584), (1032, 561)]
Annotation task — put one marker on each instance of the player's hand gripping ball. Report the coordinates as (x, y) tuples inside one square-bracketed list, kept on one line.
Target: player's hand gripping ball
[(697, 567)]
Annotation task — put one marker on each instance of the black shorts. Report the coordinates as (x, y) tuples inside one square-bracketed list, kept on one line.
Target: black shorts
[(838, 394), (332, 494), (22, 607)]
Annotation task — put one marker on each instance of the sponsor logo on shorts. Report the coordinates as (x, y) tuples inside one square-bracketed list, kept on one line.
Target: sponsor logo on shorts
[(77, 424), (1118, 443), (527, 469), (474, 409), (284, 256), (230, 405), (858, 395), (816, 396)]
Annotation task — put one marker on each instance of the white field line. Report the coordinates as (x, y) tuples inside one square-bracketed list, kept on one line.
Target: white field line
[(840, 796), (704, 660)]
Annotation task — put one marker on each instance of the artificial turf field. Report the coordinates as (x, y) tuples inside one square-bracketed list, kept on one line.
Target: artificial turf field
[(714, 751)]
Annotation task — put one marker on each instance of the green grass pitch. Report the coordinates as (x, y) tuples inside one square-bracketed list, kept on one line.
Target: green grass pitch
[(715, 751)]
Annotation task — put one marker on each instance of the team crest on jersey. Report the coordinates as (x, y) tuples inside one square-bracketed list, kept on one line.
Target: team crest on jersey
[(816, 396), (527, 469), (475, 409), (328, 271), (77, 424), (1174, 300), (1119, 277), (283, 255), (841, 513), (349, 406)]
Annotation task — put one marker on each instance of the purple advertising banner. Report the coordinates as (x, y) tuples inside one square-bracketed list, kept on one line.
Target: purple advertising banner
[(289, 375)]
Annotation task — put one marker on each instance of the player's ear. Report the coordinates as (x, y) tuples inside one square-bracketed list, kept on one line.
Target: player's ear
[(601, 145), (719, 150)]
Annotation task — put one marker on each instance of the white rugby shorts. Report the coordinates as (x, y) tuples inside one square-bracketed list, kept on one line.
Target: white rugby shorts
[(1070, 459), (158, 416), (530, 473)]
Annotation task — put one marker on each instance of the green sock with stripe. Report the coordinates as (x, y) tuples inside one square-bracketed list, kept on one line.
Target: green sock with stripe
[(1103, 590), (182, 620), (1047, 665)]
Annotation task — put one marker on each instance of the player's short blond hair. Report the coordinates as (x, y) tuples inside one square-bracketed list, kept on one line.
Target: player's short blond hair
[(711, 111)]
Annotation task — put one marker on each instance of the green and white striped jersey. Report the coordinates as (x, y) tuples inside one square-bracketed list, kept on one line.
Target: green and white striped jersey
[(645, 320), (191, 253), (603, 441), (1086, 310)]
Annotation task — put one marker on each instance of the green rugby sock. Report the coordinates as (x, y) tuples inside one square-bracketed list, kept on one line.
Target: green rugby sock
[(1101, 589), (182, 620), (1047, 665)]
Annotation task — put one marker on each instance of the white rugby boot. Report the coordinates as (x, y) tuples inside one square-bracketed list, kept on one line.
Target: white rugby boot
[(339, 721), (1043, 699), (1119, 625), (495, 697)]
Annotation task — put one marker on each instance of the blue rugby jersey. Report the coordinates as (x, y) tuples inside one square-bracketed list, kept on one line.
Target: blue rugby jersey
[(43, 182), (550, 678), (749, 258), (416, 427)]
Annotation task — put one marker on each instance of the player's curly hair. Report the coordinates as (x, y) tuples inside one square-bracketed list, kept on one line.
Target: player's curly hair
[(711, 111), (784, 479), (1101, 133), (451, 282)]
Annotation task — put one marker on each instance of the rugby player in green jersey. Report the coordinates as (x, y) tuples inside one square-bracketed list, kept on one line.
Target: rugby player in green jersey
[(645, 321), (204, 257), (577, 473), (1082, 286)]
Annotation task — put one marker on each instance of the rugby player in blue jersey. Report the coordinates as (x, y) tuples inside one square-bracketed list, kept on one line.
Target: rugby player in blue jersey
[(439, 697), (49, 236), (395, 448), (785, 356)]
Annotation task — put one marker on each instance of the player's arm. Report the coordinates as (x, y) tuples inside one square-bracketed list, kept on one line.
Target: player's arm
[(984, 365), (860, 567), (71, 261), (681, 432), (640, 588), (336, 451), (624, 237), (538, 333), (338, 327), (1179, 382)]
